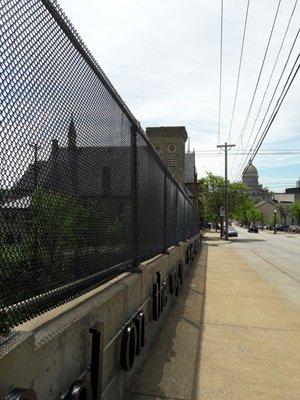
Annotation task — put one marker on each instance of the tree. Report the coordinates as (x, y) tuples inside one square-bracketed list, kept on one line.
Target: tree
[(295, 211), (213, 197), (3, 194), (255, 215), (283, 212), (263, 219), (51, 239), (242, 213)]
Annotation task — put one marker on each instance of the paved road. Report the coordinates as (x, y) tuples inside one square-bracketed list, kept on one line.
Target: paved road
[(275, 257)]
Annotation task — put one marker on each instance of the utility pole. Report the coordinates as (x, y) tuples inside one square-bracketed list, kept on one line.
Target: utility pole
[(226, 147)]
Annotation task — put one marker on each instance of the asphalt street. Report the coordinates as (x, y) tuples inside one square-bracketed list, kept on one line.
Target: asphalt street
[(275, 256)]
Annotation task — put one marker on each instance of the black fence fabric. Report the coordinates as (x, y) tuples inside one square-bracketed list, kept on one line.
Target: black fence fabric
[(83, 194)]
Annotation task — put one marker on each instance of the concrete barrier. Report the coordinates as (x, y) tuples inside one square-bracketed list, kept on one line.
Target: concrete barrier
[(90, 347)]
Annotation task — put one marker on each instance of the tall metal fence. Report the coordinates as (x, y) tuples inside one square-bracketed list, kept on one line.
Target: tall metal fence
[(83, 196)]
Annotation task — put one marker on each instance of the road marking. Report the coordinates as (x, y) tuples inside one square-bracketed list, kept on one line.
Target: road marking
[(275, 266), (265, 328)]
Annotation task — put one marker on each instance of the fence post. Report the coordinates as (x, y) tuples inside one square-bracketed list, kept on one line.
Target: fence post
[(165, 211), (176, 217), (134, 194), (184, 219)]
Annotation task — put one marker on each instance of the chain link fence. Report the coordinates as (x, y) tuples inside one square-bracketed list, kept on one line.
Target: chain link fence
[(83, 194)]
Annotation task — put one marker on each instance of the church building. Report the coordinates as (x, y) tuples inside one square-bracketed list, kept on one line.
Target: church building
[(169, 142)]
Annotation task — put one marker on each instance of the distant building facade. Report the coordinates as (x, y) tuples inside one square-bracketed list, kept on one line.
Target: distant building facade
[(250, 178), (282, 214), (169, 142), (98, 177), (286, 197), (295, 190), (191, 176), (291, 195)]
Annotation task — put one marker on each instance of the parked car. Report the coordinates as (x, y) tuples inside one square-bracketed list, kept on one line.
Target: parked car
[(282, 228), (253, 228), (232, 232), (294, 229)]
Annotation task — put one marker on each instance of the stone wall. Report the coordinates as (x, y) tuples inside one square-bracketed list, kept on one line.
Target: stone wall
[(95, 343)]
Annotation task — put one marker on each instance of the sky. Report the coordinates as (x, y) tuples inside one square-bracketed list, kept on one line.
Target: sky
[(163, 58)]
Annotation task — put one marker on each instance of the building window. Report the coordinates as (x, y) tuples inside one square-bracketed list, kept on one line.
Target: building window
[(171, 160), (171, 148)]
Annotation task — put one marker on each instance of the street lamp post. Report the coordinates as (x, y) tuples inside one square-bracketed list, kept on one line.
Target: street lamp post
[(275, 220)]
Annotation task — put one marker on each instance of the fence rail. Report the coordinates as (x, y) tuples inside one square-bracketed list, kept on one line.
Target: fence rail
[(84, 196)]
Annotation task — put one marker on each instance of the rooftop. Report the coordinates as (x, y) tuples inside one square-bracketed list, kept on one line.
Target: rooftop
[(167, 131)]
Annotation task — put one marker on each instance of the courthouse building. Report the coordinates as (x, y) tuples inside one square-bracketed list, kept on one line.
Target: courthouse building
[(250, 178)]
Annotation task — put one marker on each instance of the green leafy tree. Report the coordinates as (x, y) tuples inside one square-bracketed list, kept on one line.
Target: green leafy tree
[(255, 215), (3, 193), (295, 211), (263, 219), (283, 212), (242, 212), (213, 197), (200, 201), (52, 218)]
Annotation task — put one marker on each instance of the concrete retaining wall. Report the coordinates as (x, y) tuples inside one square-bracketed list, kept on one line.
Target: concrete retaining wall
[(49, 353)]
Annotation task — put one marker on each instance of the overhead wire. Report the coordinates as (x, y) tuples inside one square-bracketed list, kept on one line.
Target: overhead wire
[(270, 79), (209, 155), (285, 90), (239, 72), (261, 69), (278, 105), (240, 138), (271, 100), (220, 71), (274, 92), (272, 72)]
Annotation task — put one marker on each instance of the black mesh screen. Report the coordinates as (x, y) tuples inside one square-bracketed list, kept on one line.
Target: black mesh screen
[(151, 188), (82, 193), (187, 220), (181, 217), (171, 212)]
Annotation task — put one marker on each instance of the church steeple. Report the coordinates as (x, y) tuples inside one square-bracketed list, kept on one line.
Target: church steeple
[(72, 135)]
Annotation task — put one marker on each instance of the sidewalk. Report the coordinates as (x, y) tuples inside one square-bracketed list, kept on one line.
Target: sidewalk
[(230, 336)]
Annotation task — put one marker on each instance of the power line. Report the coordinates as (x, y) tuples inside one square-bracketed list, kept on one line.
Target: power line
[(245, 153), (220, 72), (270, 102), (261, 68), (276, 108), (279, 102), (278, 83), (240, 138), (269, 81), (277, 149), (272, 72), (239, 72)]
